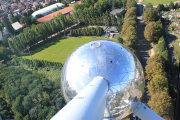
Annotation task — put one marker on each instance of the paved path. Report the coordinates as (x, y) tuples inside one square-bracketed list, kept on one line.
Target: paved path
[(142, 48), (168, 44)]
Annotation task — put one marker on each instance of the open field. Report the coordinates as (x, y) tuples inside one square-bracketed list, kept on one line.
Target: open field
[(156, 2), (58, 49), (176, 49)]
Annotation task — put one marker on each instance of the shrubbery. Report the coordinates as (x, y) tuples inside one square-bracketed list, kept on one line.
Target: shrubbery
[(35, 63), (90, 31)]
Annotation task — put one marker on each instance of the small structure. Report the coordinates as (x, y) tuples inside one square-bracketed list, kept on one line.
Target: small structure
[(112, 29), (5, 32), (117, 12), (16, 26)]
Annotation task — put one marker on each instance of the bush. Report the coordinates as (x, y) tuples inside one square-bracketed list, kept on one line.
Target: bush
[(90, 31)]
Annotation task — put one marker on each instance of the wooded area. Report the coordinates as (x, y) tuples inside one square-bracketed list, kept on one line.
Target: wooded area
[(26, 94)]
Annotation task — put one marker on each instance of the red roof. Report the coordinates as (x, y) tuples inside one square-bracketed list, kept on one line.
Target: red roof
[(52, 15)]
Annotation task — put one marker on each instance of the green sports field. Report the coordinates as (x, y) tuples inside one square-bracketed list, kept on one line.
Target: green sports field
[(156, 2), (58, 49), (176, 49)]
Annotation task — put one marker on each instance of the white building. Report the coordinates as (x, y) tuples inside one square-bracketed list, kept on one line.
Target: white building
[(16, 26), (47, 9)]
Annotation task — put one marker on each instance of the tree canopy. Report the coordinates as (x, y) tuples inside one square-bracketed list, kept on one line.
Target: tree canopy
[(161, 103), (28, 95), (8, 25), (153, 31), (149, 5), (150, 15), (158, 84), (171, 5), (131, 13)]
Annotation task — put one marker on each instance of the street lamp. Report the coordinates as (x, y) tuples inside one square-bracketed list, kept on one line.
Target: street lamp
[(63, 28), (105, 26), (29, 52)]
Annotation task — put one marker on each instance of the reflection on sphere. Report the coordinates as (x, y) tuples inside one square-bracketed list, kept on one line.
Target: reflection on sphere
[(108, 59)]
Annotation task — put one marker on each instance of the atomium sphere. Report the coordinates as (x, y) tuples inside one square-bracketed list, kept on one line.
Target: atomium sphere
[(108, 59)]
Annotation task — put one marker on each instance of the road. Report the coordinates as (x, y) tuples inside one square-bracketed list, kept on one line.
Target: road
[(142, 48)]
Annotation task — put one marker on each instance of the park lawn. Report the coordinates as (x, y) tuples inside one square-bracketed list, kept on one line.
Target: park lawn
[(156, 2), (58, 49), (176, 49)]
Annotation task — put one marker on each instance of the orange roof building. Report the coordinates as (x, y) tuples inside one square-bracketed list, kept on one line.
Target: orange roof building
[(51, 16)]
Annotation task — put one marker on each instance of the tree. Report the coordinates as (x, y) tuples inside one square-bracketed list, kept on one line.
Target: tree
[(50, 114), (132, 4), (120, 39), (156, 58), (3, 104), (150, 15), (160, 8), (149, 5), (1, 27), (5, 42), (8, 26), (161, 48), (153, 32), (131, 13), (127, 23), (153, 69), (4, 52), (130, 37), (27, 102), (17, 106), (158, 84), (11, 46), (171, 5), (161, 104), (176, 6), (129, 2)]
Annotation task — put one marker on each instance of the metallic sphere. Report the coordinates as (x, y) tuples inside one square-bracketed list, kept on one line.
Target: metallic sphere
[(108, 59)]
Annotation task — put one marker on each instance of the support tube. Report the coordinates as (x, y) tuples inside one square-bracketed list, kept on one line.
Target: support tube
[(144, 112), (89, 104)]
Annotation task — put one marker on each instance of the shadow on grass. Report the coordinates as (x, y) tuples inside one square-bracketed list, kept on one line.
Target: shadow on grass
[(43, 45), (173, 37)]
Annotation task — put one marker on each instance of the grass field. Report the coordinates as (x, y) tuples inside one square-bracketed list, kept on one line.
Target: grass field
[(156, 2), (58, 49), (176, 49)]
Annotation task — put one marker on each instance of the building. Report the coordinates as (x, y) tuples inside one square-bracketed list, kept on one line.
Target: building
[(21, 7), (51, 16), (112, 29), (16, 25), (117, 12), (47, 9)]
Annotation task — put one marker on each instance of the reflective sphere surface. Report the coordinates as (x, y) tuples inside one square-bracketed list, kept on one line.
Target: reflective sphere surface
[(110, 60)]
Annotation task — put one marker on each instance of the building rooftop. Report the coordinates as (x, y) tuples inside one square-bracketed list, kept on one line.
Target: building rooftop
[(116, 11), (16, 25), (52, 15)]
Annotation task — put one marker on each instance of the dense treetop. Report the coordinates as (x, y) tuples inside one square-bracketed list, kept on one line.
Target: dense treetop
[(28, 95)]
